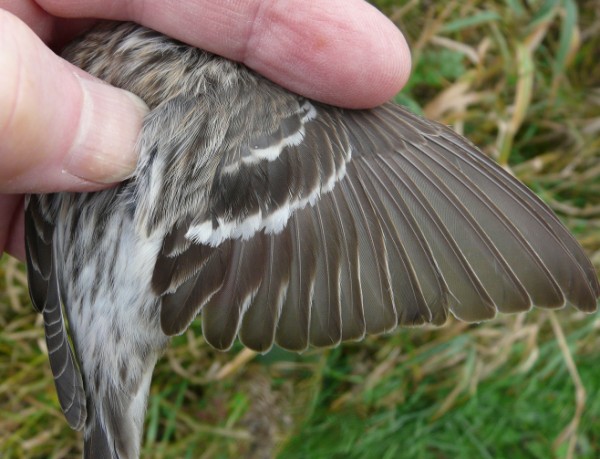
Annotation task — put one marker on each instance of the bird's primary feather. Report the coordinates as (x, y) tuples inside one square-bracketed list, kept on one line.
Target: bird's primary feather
[(278, 220)]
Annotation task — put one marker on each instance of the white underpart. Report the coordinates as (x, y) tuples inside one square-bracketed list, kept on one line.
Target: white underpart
[(152, 193), (137, 408), (128, 298)]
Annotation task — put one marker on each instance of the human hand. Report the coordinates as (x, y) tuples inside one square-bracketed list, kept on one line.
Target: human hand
[(61, 129)]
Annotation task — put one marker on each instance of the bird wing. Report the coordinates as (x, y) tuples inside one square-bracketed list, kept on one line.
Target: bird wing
[(44, 289), (341, 223)]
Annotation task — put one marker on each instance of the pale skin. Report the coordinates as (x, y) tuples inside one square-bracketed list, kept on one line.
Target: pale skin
[(62, 130)]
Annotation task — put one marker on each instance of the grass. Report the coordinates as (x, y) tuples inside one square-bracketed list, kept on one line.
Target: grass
[(521, 79)]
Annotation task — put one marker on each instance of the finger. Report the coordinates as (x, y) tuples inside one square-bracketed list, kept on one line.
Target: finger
[(55, 32), (60, 128), (343, 52), (11, 226)]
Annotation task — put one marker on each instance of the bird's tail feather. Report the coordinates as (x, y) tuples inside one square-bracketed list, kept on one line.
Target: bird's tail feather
[(114, 430), (96, 442)]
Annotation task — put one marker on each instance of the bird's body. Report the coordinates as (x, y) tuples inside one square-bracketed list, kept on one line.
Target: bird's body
[(279, 220)]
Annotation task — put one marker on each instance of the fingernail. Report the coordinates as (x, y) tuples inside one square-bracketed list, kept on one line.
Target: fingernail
[(104, 150)]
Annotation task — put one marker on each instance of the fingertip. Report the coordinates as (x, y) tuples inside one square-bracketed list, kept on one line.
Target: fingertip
[(393, 64), (12, 240), (348, 54), (372, 68), (104, 147), (58, 133)]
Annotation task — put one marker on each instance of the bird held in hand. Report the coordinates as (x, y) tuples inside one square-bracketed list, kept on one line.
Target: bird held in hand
[(278, 220)]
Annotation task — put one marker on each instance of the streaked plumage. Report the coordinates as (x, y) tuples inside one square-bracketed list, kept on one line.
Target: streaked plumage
[(278, 220)]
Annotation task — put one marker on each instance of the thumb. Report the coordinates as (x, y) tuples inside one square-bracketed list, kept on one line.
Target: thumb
[(60, 128)]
